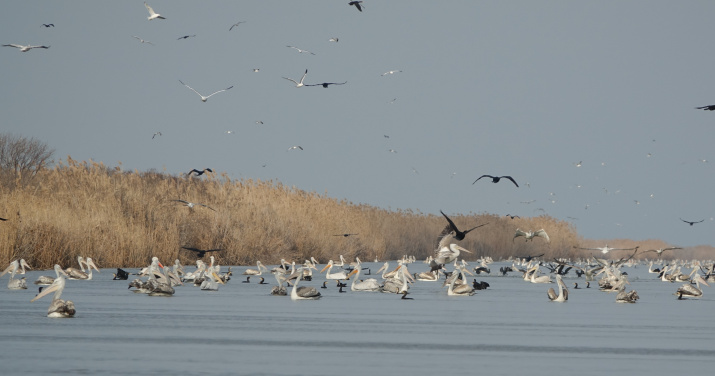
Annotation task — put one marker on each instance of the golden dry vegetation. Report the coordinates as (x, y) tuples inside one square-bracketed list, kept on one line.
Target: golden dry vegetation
[(123, 218)]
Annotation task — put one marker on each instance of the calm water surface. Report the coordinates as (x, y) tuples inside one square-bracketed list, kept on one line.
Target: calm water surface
[(241, 329)]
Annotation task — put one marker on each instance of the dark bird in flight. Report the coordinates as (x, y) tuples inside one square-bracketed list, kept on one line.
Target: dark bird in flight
[(495, 179), (345, 235), (512, 216), (156, 134), (356, 4), (201, 252), (325, 84), (451, 227), (186, 37), (691, 223), (706, 108), (199, 173), (192, 204), (48, 25), (236, 24)]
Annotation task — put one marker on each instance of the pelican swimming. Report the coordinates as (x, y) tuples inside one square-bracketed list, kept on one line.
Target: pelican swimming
[(279, 290), (539, 279), (152, 15), (529, 235), (563, 294), (303, 292), (258, 271), (205, 98), (58, 307), (160, 286), (14, 284), (211, 282), (459, 290), (623, 296), (337, 275), (370, 284), (77, 274), (45, 280), (298, 83), (690, 291)]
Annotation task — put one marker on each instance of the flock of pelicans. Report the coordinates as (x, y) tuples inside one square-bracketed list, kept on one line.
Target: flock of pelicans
[(158, 280)]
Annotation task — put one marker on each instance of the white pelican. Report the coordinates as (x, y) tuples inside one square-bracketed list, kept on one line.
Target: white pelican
[(300, 50), (303, 292), (623, 296), (204, 99), (47, 280), (24, 48), (58, 307), (606, 249), (563, 294), (14, 284), (445, 255), (160, 287), (211, 282), (338, 275), (398, 284), (459, 290), (688, 290), (258, 271), (370, 284), (77, 274), (298, 84), (529, 235), (541, 278), (152, 14), (430, 276), (279, 289)]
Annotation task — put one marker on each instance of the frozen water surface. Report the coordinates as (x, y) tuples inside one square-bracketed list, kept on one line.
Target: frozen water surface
[(241, 329)]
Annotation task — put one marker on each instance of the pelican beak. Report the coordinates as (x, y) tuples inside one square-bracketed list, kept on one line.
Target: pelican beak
[(217, 278), (326, 266), (352, 272), (162, 266), (703, 282), (44, 292)]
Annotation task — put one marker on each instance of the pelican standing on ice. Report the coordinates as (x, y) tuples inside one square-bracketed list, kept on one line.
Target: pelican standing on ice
[(58, 307), (204, 99)]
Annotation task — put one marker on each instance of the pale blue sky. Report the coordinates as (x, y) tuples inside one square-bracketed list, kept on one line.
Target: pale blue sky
[(520, 88)]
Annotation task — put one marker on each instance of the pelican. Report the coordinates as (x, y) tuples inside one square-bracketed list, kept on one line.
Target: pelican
[(495, 179), (303, 292), (370, 284), (688, 290), (659, 251), (445, 255), (161, 286), (338, 275), (298, 84), (77, 274), (58, 307), (398, 284), (260, 269), (459, 290), (152, 14), (563, 292), (430, 276), (529, 235), (300, 50), (14, 284), (605, 249), (24, 48), (71, 271), (211, 282), (539, 279), (204, 99)]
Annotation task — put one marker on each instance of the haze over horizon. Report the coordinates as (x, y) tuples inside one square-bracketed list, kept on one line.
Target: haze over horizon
[(590, 107)]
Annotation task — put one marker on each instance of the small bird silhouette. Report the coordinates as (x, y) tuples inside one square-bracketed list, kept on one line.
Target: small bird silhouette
[(198, 173), (690, 222), (48, 25), (706, 108), (495, 179), (459, 235), (345, 235), (356, 4), (325, 84), (186, 37), (201, 252), (235, 25)]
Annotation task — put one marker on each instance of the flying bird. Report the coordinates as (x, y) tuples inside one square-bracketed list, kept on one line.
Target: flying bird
[(204, 99), (186, 37), (156, 134), (256, 70), (295, 147), (142, 40), (152, 14), (235, 25), (3, 219), (607, 249), (300, 50), (48, 25), (392, 150), (512, 216), (345, 235), (690, 222), (201, 252), (356, 4), (298, 84), (391, 72), (24, 48), (706, 108), (333, 40), (495, 179), (451, 228), (198, 173), (529, 235), (661, 250), (192, 204), (325, 84)]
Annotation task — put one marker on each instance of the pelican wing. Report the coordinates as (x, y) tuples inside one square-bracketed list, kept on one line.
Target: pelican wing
[(518, 233), (541, 233)]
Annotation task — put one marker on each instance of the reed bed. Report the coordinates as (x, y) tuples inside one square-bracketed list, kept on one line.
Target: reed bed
[(123, 218)]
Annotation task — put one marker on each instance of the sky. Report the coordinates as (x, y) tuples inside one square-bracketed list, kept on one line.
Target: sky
[(528, 89)]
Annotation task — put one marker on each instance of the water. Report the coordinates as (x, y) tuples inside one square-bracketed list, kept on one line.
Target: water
[(241, 329)]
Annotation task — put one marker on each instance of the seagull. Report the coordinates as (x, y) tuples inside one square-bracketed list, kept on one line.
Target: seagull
[(661, 250), (186, 37), (236, 24), (204, 99), (392, 101), (48, 25), (199, 173), (259, 122), (706, 108), (345, 235), (142, 40), (295, 147), (24, 48), (391, 72), (201, 252), (392, 150), (298, 84), (152, 14), (333, 40), (192, 204), (691, 223), (299, 50), (356, 4), (256, 70), (325, 84), (156, 134), (578, 164), (495, 179)]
